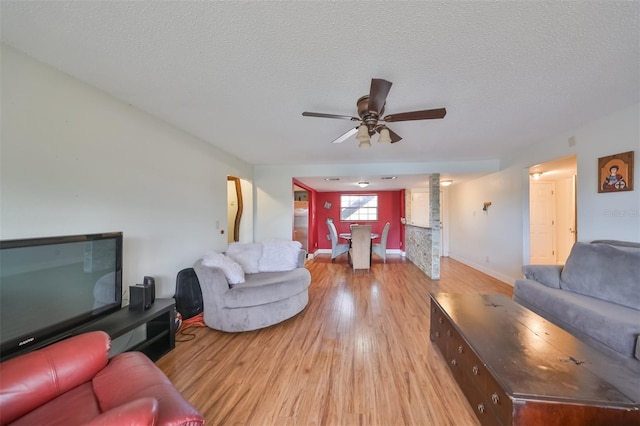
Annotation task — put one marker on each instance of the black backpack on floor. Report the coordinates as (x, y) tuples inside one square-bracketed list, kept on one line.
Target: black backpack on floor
[(188, 294)]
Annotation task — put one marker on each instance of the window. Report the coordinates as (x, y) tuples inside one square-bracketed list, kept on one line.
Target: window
[(358, 207)]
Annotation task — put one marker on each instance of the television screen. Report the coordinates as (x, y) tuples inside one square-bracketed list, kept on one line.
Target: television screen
[(49, 286)]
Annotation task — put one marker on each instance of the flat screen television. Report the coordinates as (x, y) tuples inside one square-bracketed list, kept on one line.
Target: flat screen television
[(51, 286)]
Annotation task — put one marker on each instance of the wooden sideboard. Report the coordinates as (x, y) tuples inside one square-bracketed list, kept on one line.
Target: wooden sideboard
[(516, 368)]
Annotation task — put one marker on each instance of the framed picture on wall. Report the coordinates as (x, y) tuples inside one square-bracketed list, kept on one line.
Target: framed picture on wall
[(615, 172)]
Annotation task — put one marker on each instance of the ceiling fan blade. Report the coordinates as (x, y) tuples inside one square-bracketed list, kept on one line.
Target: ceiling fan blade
[(394, 136), (427, 114), (378, 94), (346, 136), (321, 115)]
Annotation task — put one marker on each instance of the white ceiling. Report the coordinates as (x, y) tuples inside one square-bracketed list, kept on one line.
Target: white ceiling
[(239, 74)]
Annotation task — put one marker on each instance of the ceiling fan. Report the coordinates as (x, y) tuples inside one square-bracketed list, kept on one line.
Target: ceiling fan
[(370, 110)]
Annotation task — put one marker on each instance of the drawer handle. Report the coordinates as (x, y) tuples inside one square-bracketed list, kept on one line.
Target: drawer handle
[(460, 349), (449, 333), (475, 370), (440, 320), (481, 408), (495, 398), (454, 362)]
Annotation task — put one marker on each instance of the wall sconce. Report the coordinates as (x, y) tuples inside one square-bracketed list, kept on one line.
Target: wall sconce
[(486, 206), (536, 175)]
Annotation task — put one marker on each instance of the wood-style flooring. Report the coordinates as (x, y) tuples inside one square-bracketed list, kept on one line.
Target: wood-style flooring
[(358, 354)]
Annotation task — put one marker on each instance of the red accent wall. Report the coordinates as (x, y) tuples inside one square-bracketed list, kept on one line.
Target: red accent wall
[(390, 206)]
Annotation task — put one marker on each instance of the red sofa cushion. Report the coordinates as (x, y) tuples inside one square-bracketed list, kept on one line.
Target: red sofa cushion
[(132, 374), (72, 382), (33, 379)]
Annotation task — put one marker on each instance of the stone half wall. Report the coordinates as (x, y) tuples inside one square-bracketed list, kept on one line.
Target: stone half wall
[(420, 251), (422, 245)]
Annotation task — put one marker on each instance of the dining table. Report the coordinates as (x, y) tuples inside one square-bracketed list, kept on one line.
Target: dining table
[(347, 235)]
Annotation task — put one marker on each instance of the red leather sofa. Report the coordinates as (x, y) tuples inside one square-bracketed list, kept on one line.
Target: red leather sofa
[(73, 382)]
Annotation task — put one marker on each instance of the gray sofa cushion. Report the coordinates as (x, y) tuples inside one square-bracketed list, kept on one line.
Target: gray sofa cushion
[(548, 275), (617, 243), (267, 287), (604, 271), (588, 318)]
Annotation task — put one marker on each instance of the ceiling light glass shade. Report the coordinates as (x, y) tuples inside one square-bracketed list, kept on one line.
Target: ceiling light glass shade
[(385, 137), (363, 133), (445, 182), (363, 184), (536, 175), (365, 144)]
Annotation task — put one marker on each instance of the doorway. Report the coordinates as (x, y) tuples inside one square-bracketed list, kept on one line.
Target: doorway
[(552, 210), (234, 208), (444, 223), (239, 210), (301, 216)]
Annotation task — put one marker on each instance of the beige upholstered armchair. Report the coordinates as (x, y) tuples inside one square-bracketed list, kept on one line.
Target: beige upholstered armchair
[(336, 249), (381, 248), (361, 247)]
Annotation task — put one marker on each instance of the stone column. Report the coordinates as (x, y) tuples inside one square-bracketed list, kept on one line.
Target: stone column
[(434, 201)]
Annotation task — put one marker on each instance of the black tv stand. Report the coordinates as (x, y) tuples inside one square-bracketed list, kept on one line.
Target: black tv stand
[(160, 327)]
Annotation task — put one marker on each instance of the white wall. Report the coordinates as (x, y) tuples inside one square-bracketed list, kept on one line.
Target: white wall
[(497, 242), (75, 160), (610, 215)]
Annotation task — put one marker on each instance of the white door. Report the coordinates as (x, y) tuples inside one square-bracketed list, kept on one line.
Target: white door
[(542, 226), (565, 217)]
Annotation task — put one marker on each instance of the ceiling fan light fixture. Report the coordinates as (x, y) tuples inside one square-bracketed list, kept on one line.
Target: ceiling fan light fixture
[(363, 133), (371, 109), (385, 137), (364, 144)]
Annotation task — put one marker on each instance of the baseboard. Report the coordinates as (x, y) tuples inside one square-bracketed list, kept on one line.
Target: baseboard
[(328, 251), (482, 268)]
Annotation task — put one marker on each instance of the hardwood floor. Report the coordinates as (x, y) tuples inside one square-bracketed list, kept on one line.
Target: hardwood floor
[(358, 354)]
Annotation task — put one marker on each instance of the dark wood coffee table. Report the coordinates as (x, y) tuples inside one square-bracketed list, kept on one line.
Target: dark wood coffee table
[(516, 368)]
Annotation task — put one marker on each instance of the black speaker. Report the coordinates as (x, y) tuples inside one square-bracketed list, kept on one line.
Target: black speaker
[(140, 297), (150, 282)]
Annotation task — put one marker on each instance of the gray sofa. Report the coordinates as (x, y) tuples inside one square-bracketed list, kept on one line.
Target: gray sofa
[(595, 296), (264, 299)]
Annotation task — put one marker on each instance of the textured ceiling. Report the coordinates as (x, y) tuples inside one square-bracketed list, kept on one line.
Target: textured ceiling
[(239, 74)]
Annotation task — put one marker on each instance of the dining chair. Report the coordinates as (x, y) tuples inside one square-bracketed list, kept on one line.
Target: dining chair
[(336, 248), (381, 248), (361, 247)]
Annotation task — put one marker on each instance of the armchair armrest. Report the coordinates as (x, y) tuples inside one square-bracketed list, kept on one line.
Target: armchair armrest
[(548, 275), (33, 379), (211, 279), (302, 257), (139, 412)]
